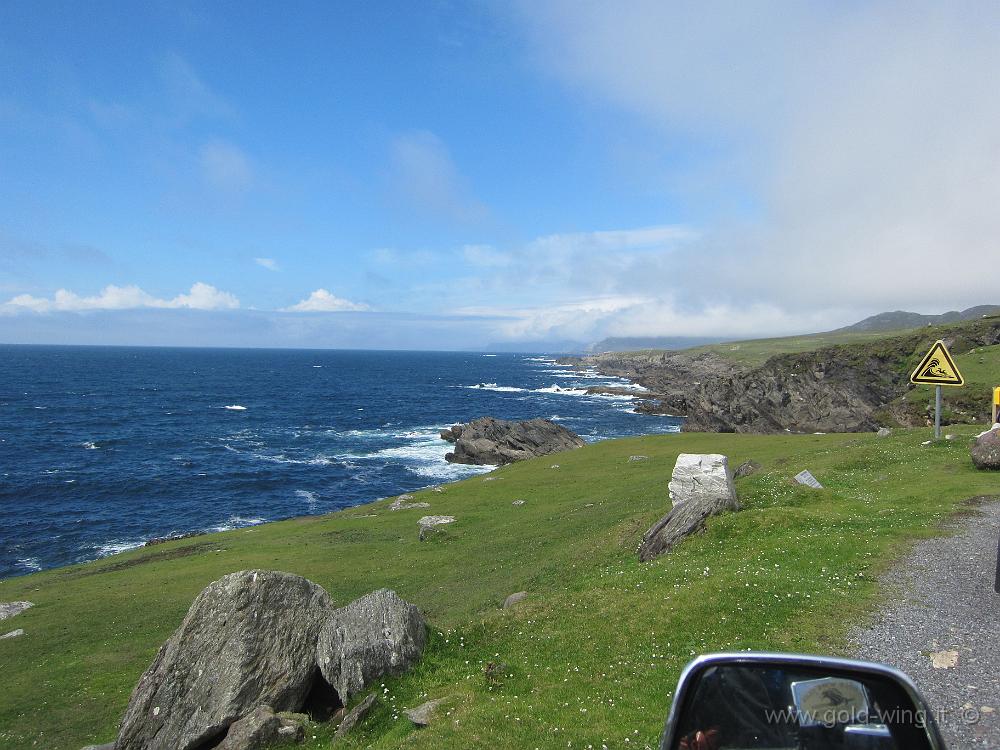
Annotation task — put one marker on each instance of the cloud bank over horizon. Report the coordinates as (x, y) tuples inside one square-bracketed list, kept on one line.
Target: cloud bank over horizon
[(866, 135), (552, 171)]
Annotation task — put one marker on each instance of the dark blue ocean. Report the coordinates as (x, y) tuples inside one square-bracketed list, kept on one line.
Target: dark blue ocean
[(103, 448)]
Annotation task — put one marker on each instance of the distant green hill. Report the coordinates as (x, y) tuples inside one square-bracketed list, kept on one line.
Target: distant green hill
[(900, 319)]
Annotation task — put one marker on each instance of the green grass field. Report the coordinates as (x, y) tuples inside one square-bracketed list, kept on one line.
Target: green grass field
[(591, 657)]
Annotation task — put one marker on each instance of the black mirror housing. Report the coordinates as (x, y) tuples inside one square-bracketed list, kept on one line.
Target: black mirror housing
[(796, 702)]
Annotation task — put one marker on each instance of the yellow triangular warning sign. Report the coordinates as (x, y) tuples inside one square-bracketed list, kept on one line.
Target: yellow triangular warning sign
[(937, 368)]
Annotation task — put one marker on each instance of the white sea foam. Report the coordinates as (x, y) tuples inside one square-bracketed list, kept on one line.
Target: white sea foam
[(546, 360), (495, 387), (309, 497), (30, 563), (90, 445), (561, 390), (489, 355), (114, 547), (236, 522), (317, 365), (235, 407)]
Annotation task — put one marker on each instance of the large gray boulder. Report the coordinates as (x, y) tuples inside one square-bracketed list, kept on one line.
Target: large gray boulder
[(248, 640), (986, 450), (496, 442), (701, 486), (374, 636)]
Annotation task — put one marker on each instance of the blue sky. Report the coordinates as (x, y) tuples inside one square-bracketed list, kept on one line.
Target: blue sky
[(447, 175)]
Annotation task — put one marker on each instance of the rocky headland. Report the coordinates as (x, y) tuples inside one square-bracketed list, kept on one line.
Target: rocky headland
[(845, 388)]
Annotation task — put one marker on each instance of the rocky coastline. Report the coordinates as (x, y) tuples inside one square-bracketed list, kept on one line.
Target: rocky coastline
[(845, 388)]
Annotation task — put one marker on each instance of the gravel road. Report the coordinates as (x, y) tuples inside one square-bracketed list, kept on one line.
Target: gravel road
[(942, 610)]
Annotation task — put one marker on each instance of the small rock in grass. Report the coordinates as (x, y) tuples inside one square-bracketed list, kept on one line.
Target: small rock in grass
[(13, 634), (513, 599), (746, 468), (355, 715), (554, 466), (633, 459), (883, 432), (105, 746), (401, 504), (518, 502), (427, 524), (423, 714), (9, 609)]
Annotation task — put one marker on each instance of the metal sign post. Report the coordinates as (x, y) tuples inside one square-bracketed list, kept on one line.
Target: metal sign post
[(937, 368), (937, 412)]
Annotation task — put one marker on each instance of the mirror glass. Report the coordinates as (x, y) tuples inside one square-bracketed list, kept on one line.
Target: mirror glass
[(735, 706)]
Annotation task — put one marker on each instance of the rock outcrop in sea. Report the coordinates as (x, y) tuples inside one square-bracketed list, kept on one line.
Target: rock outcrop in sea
[(496, 442)]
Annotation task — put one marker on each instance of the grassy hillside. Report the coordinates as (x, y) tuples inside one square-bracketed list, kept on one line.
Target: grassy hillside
[(968, 404), (590, 658)]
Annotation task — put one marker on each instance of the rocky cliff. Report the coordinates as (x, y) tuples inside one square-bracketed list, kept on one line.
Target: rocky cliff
[(847, 388)]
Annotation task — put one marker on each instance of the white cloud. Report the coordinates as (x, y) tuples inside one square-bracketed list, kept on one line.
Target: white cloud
[(201, 297), (423, 171), (225, 166), (269, 263), (322, 301), (865, 136)]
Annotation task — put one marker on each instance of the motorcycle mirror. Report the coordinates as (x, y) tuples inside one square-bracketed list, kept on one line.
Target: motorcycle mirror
[(760, 700)]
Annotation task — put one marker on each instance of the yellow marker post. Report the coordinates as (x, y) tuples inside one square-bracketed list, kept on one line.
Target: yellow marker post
[(937, 368), (996, 404)]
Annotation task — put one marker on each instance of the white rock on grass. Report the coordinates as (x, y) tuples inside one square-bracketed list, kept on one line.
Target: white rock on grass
[(702, 476), (9, 609), (701, 486), (427, 523)]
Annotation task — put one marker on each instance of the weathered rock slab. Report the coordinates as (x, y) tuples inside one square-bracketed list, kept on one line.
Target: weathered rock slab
[(260, 730), (496, 442), (700, 476), (355, 716), (377, 635), (13, 634), (986, 450), (9, 609), (248, 640), (701, 487)]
